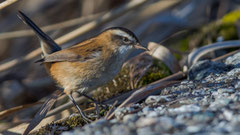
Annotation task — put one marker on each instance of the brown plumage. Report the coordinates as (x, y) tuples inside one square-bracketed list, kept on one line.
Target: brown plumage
[(87, 65)]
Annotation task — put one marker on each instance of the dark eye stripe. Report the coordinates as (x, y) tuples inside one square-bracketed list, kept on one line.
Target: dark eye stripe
[(126, 40), (122, 39)]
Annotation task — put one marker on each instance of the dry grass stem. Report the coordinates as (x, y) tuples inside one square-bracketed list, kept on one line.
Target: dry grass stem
[(7, 3), (111, 109), (10, 111), (81, 30), (57, 26)]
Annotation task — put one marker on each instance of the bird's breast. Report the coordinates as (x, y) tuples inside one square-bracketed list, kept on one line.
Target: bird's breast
[(85, 76)]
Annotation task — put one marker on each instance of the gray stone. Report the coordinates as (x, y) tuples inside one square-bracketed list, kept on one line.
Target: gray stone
[(226, 90), (185, 109), (205, 68), (120, 130), (130, 118), (157, 99), (237, 86), (143, 122), (233, 60), (194, 129), (146, 131)]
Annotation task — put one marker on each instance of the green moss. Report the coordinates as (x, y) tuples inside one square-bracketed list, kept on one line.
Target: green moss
[(231, 17), (74, 121), (113, 88), (184, 44), (61, 126), (158, 71), (228, 31)]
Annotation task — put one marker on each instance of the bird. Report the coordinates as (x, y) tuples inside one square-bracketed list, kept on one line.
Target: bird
[(87, 65)]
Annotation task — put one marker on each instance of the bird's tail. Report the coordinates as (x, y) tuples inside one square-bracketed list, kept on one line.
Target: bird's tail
[(47, 105), (47, 44)]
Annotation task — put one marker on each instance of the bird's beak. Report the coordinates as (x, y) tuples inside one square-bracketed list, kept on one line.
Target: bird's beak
[(139, 46)]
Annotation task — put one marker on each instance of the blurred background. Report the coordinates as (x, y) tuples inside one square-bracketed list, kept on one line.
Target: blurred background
[(179, 25)]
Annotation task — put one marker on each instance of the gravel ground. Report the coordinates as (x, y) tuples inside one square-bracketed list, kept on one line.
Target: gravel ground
[(207, 103)]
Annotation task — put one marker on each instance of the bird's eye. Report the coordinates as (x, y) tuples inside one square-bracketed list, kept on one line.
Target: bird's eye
[(126, 40)]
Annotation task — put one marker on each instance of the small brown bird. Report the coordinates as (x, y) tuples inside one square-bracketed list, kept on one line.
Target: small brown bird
[(89, 64)]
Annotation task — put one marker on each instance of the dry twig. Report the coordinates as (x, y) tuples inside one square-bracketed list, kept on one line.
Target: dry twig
[(7, 3), (111, 109), (10, 111)]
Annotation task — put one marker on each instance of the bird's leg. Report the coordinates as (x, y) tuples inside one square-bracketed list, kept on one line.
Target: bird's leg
[(95, 101), (79, 109), (103, 105)]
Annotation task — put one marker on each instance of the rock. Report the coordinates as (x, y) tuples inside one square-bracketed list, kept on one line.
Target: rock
[(204, 68), (194, 129), (143, 122), (157, 99), (120, 130), (145, 131), (233, 60), (237, 86), (226, 90), (123, 111), (185, 109), (234, 72), (130, 118)]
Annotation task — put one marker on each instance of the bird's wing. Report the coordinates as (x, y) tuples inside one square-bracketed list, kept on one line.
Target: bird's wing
[(82, 53), (63, 56)]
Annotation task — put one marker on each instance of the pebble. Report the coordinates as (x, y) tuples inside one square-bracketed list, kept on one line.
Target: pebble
[(237, 85), (228, 115), (157, 99), (226, 90), (130, 118), (145, 131), (185, 109), (194, 129), (143, 122)]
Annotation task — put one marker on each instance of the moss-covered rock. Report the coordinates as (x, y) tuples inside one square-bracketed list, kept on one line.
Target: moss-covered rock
[(123, 82), (156, 72), (58, 127)]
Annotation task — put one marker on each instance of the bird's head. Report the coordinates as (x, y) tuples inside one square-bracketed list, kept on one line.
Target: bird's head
[(122, 40)]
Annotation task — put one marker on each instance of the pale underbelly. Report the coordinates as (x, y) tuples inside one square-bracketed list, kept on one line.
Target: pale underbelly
[(86, 83)]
